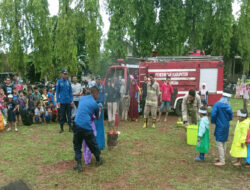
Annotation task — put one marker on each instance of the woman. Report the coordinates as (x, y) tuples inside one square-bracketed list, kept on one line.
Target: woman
[(133, 108), (113, 96)]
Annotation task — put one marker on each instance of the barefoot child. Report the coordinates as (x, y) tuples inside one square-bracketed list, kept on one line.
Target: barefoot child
[(239, 147), (203, 135), (11, 108)]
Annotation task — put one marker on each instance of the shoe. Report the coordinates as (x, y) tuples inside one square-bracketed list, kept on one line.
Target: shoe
[(220, 164), (16, 129), (153, 126), (100, 162), (78, 166), (199, 159), (9, 129)]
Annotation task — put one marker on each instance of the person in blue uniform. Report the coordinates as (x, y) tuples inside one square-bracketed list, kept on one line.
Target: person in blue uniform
[(83, 130), (221, 115), (64, 97), (100, 137)]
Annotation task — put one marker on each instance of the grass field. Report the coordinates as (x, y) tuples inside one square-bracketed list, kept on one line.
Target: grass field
[(144, 159)]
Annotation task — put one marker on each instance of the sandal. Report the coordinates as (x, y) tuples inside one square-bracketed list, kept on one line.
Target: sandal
[(9, 129)]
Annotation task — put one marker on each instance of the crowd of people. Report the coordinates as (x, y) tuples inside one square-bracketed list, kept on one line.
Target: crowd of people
[(81, 106)]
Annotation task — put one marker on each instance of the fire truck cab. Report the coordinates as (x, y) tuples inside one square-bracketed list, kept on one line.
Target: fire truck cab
[(186, 72)]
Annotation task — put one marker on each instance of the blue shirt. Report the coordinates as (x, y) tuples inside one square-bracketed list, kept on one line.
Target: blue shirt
[(86, 109), (64, 93), (102, 97)]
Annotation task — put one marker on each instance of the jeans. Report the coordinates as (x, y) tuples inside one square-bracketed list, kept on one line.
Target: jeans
[(81, 134)]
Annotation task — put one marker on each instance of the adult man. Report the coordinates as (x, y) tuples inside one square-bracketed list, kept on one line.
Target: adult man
[(144, 93), (221, 115), (64, 98), (166, 90), (8, 87), (82, 128), (151, 101), (76, 89), (100, 123), (190, 108)]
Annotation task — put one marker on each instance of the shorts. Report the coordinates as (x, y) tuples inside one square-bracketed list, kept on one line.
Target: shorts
[(164, 104)]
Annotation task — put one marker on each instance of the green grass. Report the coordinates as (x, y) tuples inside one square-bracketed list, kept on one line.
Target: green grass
[(144, 159)]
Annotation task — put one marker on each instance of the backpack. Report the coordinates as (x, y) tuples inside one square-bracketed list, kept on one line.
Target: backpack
[(27, 117)]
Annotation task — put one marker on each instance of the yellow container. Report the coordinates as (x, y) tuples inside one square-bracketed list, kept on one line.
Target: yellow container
[(192, 133)]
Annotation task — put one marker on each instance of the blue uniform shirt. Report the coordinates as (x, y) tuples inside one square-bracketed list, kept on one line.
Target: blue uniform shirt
[(64, 93), (86, 109), (102, 97)]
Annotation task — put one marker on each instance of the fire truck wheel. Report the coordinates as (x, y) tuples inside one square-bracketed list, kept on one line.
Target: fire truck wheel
[(178, 107)]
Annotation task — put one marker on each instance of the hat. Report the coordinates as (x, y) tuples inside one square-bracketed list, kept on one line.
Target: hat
[(226, 94), (98, 77), (240, 114), (64, 71), (10, 96)]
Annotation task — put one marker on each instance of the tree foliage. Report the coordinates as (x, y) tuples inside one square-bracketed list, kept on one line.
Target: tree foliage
[(12, 31), (244, 34)]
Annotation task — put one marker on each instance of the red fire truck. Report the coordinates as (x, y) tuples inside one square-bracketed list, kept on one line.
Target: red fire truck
[(186, 72)]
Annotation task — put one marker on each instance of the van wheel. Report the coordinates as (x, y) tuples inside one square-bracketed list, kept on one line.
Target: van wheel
[(178, 110)]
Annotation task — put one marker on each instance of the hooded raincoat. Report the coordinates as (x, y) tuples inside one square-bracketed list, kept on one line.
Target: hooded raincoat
[(221, 114), (203, 133), (240, 135)]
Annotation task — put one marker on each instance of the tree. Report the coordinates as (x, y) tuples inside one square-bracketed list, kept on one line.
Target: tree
[(37, 15), (144, 27), (65, 40), (121, 22), (13, 32), (244, 34), (171, 33), (195, 20), (222, 28)]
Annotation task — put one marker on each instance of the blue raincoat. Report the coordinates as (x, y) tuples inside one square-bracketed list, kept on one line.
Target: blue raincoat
[(221, 115)]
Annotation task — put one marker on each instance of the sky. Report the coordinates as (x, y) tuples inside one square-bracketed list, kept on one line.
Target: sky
[(53, 8)]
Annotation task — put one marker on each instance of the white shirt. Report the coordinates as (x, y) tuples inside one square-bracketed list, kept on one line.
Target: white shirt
[(76, 88)]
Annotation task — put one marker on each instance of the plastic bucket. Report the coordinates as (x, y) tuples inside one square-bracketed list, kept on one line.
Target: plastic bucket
[(192, 132)]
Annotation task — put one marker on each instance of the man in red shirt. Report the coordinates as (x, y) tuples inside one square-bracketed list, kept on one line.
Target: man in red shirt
[(166, 91)]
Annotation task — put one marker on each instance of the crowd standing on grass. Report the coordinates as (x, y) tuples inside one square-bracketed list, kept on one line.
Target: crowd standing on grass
[(81, 105)]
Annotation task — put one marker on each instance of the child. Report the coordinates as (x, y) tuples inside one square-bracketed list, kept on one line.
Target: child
[(54, 112), (51, 96), (2, 102), (203, 101), (2, 126), (48, 114), (11, 108), (45, 97), (203, 135), (16, 101), (37, 96), (239, 148), (248, 145), (125, 107), (39, 113), (221, 115)]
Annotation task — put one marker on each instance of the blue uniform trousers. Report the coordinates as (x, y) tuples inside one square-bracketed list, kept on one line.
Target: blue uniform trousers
[(65, 111), (81, 134)]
